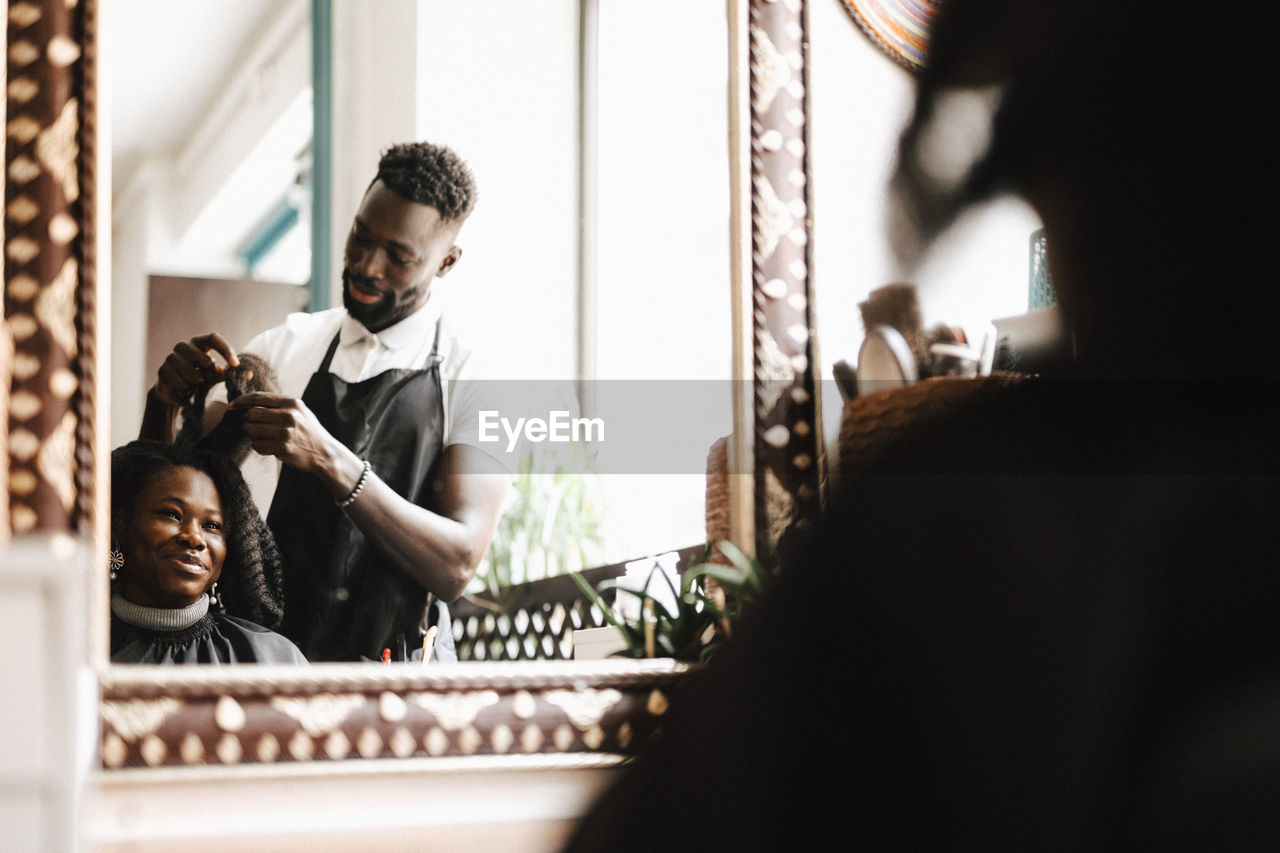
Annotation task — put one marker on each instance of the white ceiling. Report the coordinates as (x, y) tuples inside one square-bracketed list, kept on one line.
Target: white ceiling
[(164, 61)]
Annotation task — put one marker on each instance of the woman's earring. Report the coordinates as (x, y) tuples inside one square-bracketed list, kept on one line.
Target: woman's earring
[(117, 563), (213, 595)]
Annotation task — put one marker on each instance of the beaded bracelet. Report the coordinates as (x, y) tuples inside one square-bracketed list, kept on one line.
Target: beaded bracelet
[(364, 475)]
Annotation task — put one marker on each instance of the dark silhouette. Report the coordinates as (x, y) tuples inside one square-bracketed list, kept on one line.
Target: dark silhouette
[(1046, 618)]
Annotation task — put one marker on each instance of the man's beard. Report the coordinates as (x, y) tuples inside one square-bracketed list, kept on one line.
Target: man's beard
[(373, 316)]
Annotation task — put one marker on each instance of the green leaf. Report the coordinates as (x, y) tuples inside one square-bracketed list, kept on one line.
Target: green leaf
[(630, 635), (730, 578)]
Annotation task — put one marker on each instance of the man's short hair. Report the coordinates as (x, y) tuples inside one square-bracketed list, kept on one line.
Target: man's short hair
[(429, 174)]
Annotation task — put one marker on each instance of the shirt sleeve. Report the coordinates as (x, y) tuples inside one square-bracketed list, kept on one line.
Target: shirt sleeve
[(519, 423), (472, 403), (473, 397)]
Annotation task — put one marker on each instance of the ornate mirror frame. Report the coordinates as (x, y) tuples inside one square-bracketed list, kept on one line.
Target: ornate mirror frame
[(57, 251)]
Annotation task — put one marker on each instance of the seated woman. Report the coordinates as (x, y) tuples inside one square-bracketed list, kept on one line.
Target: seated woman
[(195, 572)]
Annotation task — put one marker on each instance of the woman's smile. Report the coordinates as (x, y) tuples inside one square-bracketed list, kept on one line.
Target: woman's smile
[(190, 562), (173, 543)]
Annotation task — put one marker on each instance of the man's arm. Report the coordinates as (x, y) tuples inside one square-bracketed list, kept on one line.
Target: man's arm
[(188, 368), (439, 549)]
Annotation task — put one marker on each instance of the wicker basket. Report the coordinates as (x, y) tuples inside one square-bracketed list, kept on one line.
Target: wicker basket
[(870, 421), (718, 528)]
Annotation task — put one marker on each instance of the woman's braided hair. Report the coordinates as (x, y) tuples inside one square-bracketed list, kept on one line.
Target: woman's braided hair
[(252, 580)]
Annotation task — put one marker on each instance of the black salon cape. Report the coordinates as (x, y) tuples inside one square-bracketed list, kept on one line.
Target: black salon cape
[(216, 638)]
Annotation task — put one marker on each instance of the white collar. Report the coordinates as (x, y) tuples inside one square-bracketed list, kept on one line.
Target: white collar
[(408, 331)]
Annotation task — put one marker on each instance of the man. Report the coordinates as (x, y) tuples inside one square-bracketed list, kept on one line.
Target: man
[(383, 506)]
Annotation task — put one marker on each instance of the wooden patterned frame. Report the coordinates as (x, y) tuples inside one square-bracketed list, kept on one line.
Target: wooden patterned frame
[(326, 713), (788, 458), (50, 281)]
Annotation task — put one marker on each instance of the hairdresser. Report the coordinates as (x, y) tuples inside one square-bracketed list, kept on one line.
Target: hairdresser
[(381, 507)]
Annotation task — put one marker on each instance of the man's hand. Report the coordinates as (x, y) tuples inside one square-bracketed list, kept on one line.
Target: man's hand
[(439, 548), (284, 427), (187, 370), (190, 368)]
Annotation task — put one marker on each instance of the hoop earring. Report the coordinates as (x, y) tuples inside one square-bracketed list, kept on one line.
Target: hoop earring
[(116, 559)]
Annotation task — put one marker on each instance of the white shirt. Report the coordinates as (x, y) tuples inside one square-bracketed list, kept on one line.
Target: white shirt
[(296, 347)]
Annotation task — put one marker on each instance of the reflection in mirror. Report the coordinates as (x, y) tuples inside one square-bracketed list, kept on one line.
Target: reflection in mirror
[(597, 256), (182, 526), (978, 273)]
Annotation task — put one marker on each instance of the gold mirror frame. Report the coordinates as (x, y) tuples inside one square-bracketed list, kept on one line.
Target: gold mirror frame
[(56, 250)]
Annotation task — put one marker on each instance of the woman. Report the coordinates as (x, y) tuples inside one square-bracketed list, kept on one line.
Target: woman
[(195, 572), (1088, 657)]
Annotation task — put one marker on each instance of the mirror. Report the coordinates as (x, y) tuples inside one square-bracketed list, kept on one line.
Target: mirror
[(597, 257), (159, 717)]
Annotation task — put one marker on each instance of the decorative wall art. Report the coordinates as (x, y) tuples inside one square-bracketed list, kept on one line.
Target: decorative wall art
[(898, 27)]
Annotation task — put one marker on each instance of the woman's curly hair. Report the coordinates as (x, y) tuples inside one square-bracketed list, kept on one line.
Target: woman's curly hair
[(252, 579)]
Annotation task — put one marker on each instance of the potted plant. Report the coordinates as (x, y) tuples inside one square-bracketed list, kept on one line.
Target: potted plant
[(711, 597), (550, 526)]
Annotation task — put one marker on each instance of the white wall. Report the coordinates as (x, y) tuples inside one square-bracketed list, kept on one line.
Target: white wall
[(48, 708), (664, 191), (497, 81), (133, 232), (375, 100), (183, 211), (663, 259)]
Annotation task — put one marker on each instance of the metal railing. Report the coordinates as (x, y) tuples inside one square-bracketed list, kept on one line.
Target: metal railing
[(536, 620)]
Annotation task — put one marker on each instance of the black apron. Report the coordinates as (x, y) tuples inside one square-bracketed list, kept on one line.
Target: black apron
[(344, 601)]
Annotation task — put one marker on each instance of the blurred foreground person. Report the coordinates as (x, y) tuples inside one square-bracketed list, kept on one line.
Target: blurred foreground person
[(1087, 656)]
